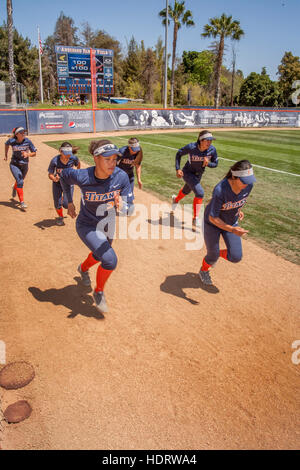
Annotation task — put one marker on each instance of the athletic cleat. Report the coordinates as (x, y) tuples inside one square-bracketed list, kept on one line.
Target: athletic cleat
[(174, 203), (85, 277), (196, 222), (23, 205), (60, 221), (100, 301), (14, 191), (205, 277)]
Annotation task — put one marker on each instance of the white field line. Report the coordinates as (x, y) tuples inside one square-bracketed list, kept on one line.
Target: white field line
[(221, 158)]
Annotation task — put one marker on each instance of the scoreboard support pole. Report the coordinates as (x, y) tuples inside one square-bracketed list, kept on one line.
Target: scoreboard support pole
[(93, 83)]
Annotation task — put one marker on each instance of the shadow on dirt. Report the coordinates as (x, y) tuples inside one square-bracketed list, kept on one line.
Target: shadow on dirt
[(74, 297), (175, 284), (11, 203), (171, 221), (46, 223)]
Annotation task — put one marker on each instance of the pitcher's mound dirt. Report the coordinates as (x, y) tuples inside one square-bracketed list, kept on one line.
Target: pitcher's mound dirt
[(17, 412), (16, 375)]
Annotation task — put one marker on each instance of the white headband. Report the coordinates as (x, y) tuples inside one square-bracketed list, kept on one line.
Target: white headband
[(68, 149), (19, 129), (104, 148), (241, 173), (205, 136)]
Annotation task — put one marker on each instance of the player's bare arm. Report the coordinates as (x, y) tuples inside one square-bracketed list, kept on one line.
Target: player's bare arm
[(28, 153), (72, 210), (6, 152), (53, 177), (138, 170)]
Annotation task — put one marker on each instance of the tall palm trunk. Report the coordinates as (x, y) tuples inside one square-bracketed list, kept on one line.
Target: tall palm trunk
[(11, 67), (173, 64), (219, 69), (232, 82)]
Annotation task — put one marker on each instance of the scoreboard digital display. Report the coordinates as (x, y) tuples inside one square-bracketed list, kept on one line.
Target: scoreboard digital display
[(74, 70)]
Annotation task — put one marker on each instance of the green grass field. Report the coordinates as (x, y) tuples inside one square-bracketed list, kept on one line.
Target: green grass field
[(272, 214)]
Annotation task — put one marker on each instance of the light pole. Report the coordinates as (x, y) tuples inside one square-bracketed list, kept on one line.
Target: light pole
[(166, 57)]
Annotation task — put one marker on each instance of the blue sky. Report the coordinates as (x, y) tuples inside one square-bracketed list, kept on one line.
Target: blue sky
[(271, 26)]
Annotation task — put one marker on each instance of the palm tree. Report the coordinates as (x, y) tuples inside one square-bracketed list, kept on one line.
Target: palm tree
[(11, 67), (222, 27), (180, 17)]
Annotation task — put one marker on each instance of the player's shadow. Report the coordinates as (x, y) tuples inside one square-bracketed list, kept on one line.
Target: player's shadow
[(175, 284), (74, 297), (12, 203), (46, 223), (170, 221)]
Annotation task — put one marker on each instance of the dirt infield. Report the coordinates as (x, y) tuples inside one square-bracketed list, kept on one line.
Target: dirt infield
[(171, 366)]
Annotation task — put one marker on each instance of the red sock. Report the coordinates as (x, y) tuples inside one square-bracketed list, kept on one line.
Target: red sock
[(15, 186), (180, 196), (102, 276), (197, 205), (20, 194), (89, 262), (205, 265), (223, 254), (60, 212)]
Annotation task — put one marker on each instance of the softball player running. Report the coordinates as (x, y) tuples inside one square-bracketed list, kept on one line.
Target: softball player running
[(65, 159), (22, 149), (100, 187), (200, 155), (222, 214), (131, 156)]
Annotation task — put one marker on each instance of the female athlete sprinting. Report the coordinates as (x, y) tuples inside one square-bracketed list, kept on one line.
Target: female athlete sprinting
[(100, 187), (201, 154), (22, 150), (221, 217), (65, 159), (131, 156)]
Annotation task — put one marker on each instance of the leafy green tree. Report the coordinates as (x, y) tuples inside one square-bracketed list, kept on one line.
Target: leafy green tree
[(102, 40), (180, 17), (223, 27), (159, 54), (259, 90), (288, 71), (149, 74), (198, 66), (25, 62), (65, 32), (87, 35), (132, 66)]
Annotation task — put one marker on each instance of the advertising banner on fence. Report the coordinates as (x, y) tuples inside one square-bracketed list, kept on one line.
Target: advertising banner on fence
[(60, 121), (118, 119), (11, 119)]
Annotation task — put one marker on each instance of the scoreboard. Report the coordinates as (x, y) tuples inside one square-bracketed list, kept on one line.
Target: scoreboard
[(74, 70)]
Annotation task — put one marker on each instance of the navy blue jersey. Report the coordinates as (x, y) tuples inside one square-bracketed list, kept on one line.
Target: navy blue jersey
[(125, 162), (225, 204), (56, 165), (18, 148), (97, 195), (196, 158)]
